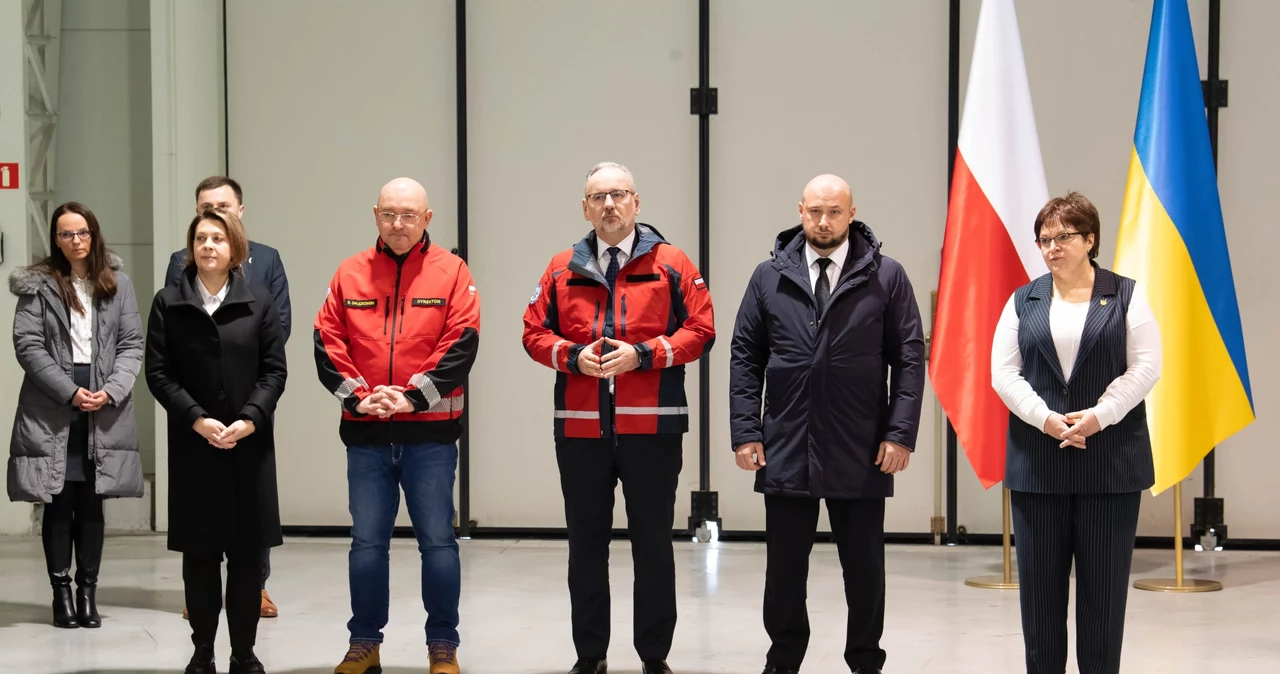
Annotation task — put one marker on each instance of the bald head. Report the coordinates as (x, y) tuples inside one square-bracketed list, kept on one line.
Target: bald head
[(403, 190), (402, 214), (826, 212), (828, 186)]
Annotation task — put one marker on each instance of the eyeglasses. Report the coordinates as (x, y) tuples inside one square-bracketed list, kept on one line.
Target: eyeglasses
[(71, 236), (618, 196), (1062, 239), (389, 218)]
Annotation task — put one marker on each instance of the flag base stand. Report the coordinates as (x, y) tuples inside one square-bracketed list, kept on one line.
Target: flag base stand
[(1177, 584), (1005, 581)]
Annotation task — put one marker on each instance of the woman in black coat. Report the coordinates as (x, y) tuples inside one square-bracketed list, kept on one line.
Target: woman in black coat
[(216, 362)]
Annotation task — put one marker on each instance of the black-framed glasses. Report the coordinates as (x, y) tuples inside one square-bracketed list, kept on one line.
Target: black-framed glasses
[(618, 196), (1063, 239), (67, 237), (389, 218)]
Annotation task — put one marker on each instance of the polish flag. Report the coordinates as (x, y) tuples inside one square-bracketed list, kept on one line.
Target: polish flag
[(997, 189)]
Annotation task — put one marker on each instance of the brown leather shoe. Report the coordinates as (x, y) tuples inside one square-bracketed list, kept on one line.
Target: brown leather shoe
[(269, 609), (185, 615)]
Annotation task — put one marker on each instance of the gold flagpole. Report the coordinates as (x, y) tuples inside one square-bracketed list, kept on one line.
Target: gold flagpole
[(1178, 583), (1005, 581)]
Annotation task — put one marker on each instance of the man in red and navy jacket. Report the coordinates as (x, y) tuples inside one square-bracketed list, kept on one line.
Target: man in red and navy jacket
[(395, 339), (617, 317)]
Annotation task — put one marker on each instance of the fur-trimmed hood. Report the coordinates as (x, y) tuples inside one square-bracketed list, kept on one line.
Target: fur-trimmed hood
[(27, 280)]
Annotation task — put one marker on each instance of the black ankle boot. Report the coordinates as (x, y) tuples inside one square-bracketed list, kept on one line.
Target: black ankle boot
[(201, 661), (87, 607), (64, 605), (88, 543)]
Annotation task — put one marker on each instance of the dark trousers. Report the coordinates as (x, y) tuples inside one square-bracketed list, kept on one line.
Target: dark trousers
[(202, 581), (649, 469), (266, 566), (790, 526), (1097, 532), (74, 515)]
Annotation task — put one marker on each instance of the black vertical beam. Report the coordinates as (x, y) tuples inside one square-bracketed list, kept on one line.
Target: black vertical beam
[(953, 140), (1211, 112), (460, 77), (704, 238), (226, 106)]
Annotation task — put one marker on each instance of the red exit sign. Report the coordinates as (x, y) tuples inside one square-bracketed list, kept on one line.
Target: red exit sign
[(9, 176)]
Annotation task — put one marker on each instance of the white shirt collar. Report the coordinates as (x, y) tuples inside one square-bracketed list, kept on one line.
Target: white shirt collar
[(624, 247), (838, 256), (206, 297)]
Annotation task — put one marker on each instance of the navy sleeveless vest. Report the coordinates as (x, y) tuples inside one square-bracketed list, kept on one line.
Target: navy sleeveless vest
[(1117, 459)]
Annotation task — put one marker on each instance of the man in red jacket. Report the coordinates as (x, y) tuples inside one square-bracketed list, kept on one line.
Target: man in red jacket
[(395, 339), (617, 317)]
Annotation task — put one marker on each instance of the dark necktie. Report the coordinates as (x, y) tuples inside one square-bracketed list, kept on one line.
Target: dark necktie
[(822, 291), (611, 274)]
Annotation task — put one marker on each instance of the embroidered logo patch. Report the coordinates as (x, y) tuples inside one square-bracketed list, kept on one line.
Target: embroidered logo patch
[(699, 283), (428, 301), (361, 304), (537, 292)]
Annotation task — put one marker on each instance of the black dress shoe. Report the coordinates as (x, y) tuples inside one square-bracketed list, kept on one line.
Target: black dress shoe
[(201, 661), (249, 665), (656, 667), (586, 666), (774, 669), (867, 669)]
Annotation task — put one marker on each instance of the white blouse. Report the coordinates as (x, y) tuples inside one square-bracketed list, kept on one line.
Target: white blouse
[(1143, 354), (82, 324)]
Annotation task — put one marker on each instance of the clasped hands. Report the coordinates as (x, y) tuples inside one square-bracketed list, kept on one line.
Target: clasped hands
[(623, 358), (892, 458), (385, 401), (1073, 428), (222, 436), (89, 402)]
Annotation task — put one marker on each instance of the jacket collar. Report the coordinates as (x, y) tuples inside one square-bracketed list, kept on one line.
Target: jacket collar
[(419, 248), (862, 261), (585, 262), (237, 288)]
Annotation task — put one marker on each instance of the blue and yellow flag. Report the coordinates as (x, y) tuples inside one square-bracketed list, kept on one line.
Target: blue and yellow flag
[(1172, 241)]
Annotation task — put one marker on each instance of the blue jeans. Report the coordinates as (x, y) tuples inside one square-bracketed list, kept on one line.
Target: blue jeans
[(375, 475)]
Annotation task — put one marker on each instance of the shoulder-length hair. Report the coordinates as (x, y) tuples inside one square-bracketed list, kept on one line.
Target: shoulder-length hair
[(237, 239), (57, 265)]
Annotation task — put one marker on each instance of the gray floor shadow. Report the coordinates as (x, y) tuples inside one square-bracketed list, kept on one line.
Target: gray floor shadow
[(12, 614), (168, 601)]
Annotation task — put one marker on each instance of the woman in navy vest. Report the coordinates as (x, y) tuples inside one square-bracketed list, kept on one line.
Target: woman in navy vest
[(1074, 354)]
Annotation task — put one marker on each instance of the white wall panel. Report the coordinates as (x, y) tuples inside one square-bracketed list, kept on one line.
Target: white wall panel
[(853, 88), (554, 88), (327, 102)]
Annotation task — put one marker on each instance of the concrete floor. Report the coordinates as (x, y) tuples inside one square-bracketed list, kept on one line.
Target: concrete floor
[(515, 612)]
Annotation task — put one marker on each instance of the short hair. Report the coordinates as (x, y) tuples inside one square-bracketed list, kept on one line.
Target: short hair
[(214, 182), (1073, 211), (236, 237), (604, 165)]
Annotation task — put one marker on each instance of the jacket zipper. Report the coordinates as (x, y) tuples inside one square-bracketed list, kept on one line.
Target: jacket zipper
[(596, 321), (624, 315), (386, 315), (403, 300), (391, 360)]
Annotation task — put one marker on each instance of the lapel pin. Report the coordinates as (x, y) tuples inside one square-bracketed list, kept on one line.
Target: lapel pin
[(1103, 302)]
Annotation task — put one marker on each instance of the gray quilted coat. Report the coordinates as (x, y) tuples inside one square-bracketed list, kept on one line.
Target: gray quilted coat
[(42, 341)]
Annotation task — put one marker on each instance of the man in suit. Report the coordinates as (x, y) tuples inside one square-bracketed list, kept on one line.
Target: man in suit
[(263, 268), (832, 324)]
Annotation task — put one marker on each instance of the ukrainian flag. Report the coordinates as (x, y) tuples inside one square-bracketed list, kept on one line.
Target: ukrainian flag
[(1172, 241)]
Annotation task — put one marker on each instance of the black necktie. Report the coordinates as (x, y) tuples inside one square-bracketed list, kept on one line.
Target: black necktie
[(611, 274), (822, 291)]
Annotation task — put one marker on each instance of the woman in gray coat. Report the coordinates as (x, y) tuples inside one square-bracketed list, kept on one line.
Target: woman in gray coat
[(78, 338)]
